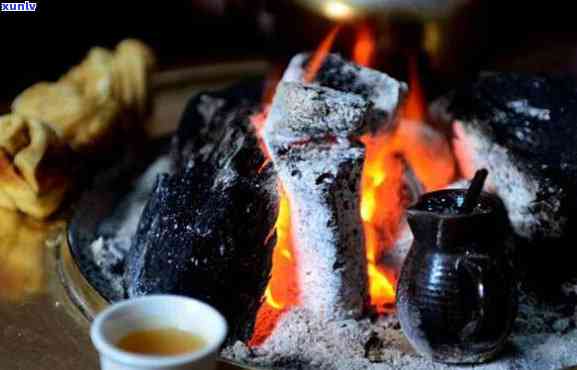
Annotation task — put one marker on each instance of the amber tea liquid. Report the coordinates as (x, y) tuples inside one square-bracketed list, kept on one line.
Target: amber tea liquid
[(161, 342)]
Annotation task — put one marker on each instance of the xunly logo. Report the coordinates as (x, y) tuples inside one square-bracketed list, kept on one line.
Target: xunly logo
[(26, 6)]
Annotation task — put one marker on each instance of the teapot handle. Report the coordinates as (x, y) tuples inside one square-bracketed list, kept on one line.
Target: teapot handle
[(478, 275)]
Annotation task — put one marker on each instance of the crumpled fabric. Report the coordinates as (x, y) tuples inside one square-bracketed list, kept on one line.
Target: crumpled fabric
[(107, 92), (34, 166), (89, 109)]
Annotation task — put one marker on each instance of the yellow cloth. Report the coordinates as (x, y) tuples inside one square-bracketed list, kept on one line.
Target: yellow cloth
[(85, 110), (33, 172), (90, 102)]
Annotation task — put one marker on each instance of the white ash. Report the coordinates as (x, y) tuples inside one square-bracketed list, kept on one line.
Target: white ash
[(306, 112), (116, 231), (544, 337), (385, 93), (518, 189), (522, 106), (322, 186), (302, 342), (307, 134)]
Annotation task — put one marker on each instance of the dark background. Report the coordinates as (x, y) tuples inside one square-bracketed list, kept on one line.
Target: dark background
[(528, 35)]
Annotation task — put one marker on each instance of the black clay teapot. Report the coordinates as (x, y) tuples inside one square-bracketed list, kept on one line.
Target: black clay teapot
[(457, 295)]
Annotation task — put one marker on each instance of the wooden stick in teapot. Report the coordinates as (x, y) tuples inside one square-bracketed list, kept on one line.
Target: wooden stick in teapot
[(474, 191)]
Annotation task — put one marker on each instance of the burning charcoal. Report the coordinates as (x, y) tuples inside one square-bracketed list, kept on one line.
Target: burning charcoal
[(384, 92), (206, 120), (307, 134), (206, 230), (522, 128)]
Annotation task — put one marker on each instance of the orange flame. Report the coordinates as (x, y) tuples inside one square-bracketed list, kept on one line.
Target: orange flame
[(415, 105), (381, 208), (427, 151), (282, 291), (320, 54), (381, 212), (364, 48), (281, 294)]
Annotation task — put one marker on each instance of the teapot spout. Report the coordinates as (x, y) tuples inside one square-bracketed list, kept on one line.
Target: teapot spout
[(425, 226)]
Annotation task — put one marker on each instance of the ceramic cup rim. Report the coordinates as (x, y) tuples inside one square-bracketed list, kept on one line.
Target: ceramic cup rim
[(111, 351)]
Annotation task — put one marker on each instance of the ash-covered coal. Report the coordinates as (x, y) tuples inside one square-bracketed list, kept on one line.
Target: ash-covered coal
[(204, 234), (522, 128), (384, 92), (206, 231), (308, 133), (206, 121)]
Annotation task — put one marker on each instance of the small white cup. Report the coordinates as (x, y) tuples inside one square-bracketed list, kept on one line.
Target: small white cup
[(155, 312)]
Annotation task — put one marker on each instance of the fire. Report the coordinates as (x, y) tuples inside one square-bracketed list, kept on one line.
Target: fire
[(381, 208), (364, 48), (281, 292), (427, 151), (382, 203), (381, 212), (415, 105)]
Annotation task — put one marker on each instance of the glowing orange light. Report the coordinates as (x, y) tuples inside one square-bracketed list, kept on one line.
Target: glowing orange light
[(281, 292), (271, 301), (381, 212), (364, 48), (381, 288), (381, 208), (427, 151), (415, 104)]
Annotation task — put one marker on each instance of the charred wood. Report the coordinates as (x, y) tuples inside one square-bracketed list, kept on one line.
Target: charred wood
[(206, 231), (206, 121)]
